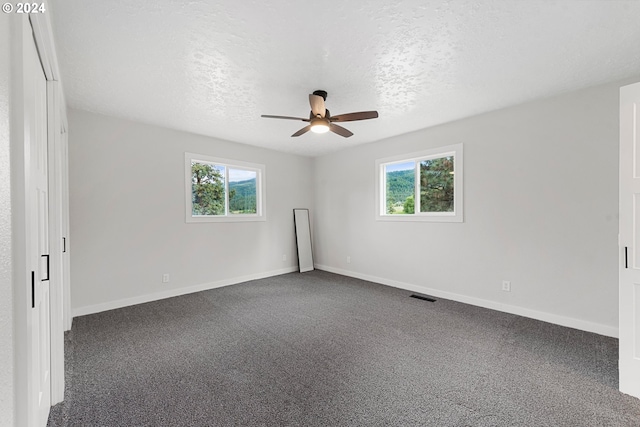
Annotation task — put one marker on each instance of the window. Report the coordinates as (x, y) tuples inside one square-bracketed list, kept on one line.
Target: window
[(424, 186), (223, 190)]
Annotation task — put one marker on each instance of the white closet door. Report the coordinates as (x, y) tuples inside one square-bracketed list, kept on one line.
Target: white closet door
[(629, 286), (38, 323)]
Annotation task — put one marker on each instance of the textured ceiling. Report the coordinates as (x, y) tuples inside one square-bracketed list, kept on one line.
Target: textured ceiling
[(213, 67)]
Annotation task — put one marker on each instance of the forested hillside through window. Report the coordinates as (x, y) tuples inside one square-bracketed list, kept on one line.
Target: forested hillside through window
[(400, 187), (242, 196)]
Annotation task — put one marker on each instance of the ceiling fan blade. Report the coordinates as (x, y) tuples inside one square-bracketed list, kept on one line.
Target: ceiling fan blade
[(284, 117), (317, 105), (302, 131), (350, 117), (340, 130)]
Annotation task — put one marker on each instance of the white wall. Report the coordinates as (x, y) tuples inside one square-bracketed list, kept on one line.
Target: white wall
[(127, 214), (541, 210), (6, 283)]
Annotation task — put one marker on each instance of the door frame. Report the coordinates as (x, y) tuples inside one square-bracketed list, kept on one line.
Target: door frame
[(58, 194), (57, 241)]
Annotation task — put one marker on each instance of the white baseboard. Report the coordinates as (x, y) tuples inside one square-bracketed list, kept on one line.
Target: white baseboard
[(570, 322), (111, 305)]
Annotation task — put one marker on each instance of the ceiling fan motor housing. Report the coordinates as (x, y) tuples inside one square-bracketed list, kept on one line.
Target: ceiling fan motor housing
[(327, 114)]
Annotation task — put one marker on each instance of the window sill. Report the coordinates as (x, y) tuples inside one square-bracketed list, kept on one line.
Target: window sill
[(252, 218), (420, 218)]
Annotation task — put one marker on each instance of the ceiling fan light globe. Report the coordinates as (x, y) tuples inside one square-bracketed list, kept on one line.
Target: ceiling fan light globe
[(319, 128)]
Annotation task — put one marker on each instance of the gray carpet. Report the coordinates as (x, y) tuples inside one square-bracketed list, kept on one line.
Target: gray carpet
[(319, 349)]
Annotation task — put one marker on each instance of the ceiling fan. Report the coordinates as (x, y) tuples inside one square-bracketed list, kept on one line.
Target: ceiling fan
[(321, 121)]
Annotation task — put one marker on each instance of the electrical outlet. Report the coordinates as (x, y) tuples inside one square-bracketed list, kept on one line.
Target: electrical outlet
[(506, 286), (165, 278), (284, 257), (348, 260)]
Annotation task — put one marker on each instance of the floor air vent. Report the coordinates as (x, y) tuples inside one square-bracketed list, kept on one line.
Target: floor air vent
[(424, 297)]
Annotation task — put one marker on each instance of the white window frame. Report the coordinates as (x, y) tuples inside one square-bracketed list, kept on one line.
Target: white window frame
[(261, 202), (456, 151)]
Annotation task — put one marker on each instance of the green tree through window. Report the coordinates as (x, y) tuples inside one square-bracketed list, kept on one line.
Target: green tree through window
[(207, 183), (436, 185), (409, 205)]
